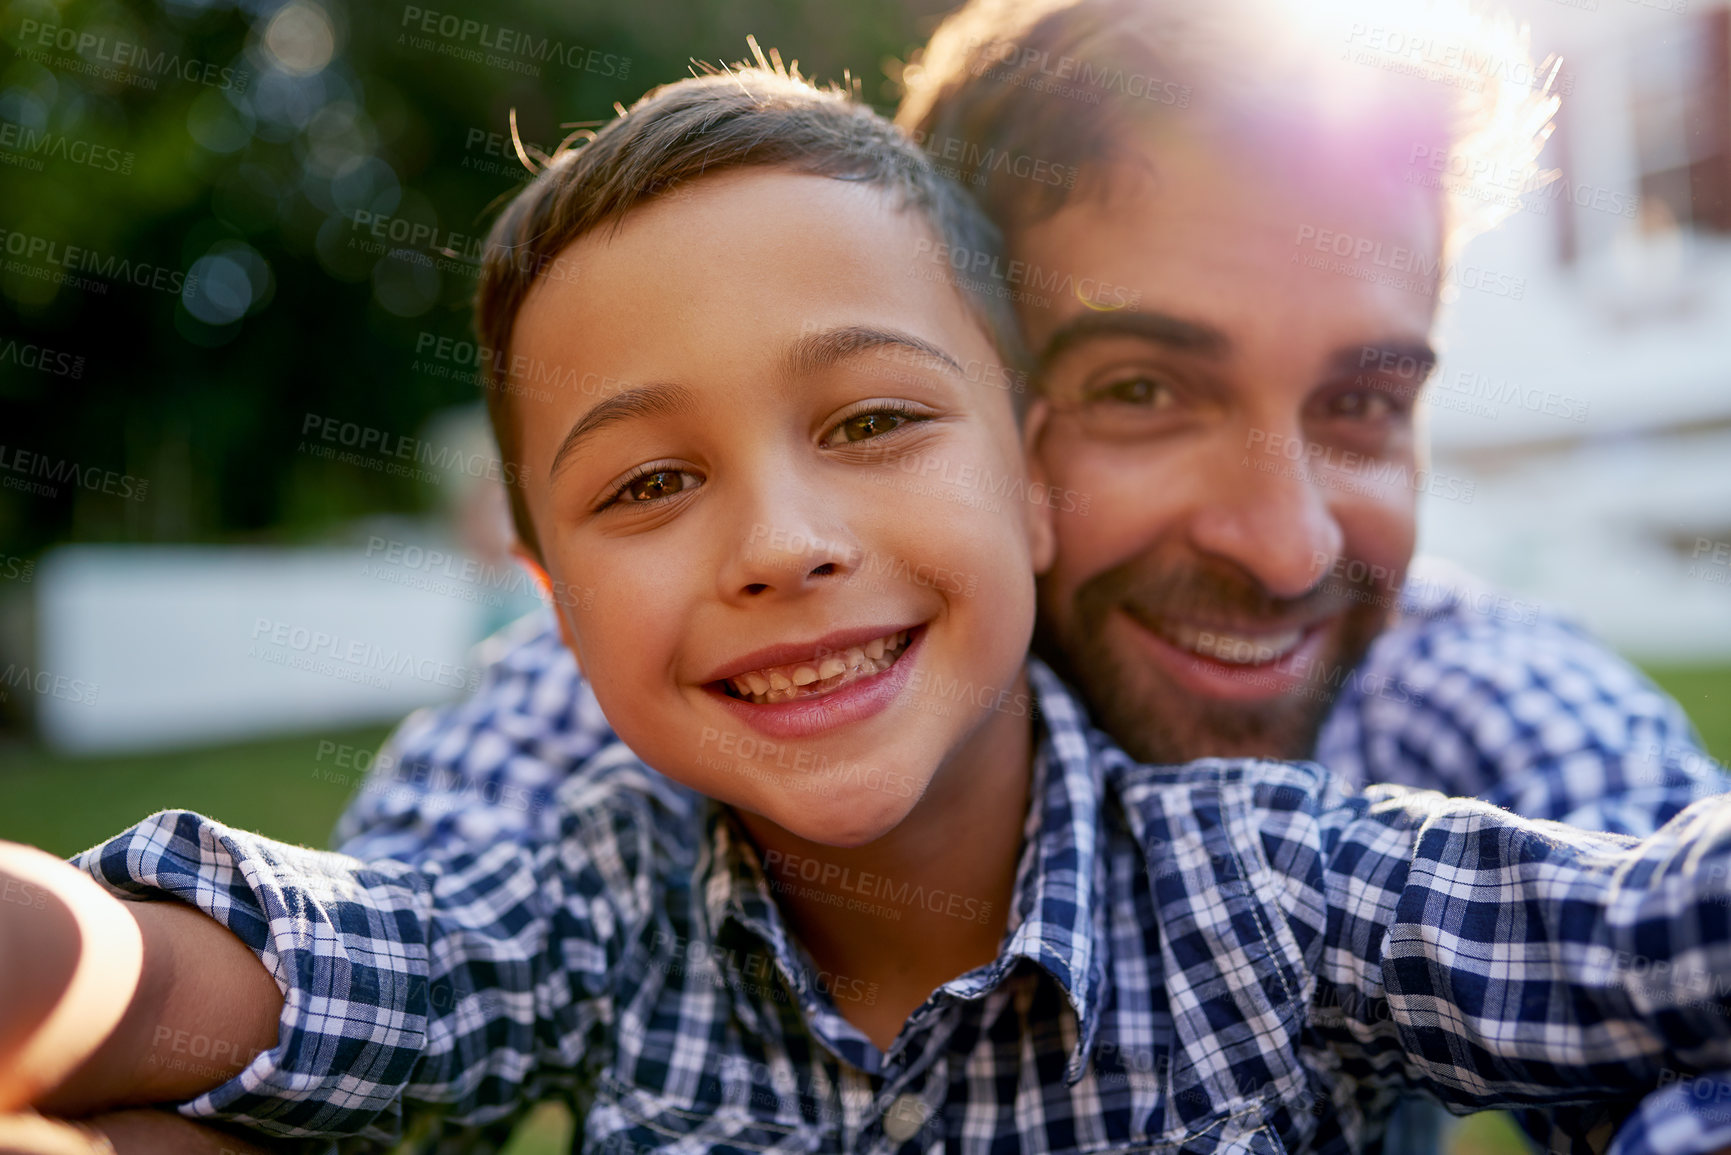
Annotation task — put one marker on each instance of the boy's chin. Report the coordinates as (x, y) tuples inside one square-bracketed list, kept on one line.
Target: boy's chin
[(844, 822)]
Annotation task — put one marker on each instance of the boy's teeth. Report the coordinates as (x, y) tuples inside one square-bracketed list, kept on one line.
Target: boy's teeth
[(781, 683)]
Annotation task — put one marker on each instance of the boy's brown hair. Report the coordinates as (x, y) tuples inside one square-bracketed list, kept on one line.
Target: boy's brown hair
[(746, 117)]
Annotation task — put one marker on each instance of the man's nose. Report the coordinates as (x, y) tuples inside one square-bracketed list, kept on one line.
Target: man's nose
[(1270, 516)]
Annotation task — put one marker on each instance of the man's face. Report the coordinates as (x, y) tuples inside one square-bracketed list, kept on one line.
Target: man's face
[(1245, 433)]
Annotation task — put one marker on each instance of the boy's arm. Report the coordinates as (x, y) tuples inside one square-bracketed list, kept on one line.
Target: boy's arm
[(477, 770), (1497, 962), (467, 987), (130, 1132), (95, 991)]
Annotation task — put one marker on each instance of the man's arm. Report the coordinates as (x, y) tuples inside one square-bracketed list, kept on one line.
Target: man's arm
[(96, 993), (485, 768), (1483, 696)]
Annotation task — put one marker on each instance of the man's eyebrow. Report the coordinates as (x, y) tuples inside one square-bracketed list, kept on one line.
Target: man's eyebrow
[(1402, 358), (1160, 328), (814, 352), (639, 401)]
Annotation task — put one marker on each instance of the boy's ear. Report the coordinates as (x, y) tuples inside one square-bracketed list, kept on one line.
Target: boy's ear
[(549, 591), (1042, 535)]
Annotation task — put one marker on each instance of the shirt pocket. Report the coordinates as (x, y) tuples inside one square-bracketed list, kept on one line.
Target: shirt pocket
[(627, 1120)]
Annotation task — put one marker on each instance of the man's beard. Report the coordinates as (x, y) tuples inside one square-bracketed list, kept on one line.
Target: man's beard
[(1156, 721)]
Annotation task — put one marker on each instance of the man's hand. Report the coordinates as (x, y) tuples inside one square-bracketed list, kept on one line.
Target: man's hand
[(107, 1004)]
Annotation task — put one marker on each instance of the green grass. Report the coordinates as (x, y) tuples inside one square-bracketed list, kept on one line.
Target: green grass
[(1705, 692), (293, 789)]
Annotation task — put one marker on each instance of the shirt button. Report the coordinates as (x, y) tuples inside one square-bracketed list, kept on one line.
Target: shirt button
[(905, 1118)]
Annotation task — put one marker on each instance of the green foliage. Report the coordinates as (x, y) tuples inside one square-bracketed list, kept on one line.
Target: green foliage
[(258, 173)]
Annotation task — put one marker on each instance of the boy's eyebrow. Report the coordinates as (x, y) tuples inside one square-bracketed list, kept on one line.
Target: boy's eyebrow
[(1175, 333), (817, 351), (640, 401)]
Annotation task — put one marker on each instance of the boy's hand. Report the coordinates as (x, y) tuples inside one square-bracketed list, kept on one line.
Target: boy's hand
[(140, 1132), (105, 1003)]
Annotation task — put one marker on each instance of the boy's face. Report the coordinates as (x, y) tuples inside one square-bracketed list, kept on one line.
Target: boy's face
[(775, 466)]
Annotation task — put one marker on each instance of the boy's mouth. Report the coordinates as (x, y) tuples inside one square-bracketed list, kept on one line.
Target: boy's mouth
[(822, 673)]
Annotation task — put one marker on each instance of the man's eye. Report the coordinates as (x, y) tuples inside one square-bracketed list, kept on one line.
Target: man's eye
[(1363, 405), (657, 484), (865, 426), (1140, 390)]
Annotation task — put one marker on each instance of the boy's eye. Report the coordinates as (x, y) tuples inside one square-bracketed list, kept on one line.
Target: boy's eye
[(865, 426), (654, 484)]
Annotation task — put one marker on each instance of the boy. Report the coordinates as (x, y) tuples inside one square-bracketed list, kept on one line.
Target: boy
[(878, 911)]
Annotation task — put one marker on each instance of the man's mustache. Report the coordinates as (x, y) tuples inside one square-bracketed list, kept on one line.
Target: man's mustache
[(1220, 595)]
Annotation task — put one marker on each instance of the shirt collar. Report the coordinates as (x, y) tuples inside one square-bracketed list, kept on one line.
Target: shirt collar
[(1057, 915)]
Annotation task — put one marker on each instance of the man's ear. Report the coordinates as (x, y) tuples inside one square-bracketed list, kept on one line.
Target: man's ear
[(537, 571), (1042, 535)]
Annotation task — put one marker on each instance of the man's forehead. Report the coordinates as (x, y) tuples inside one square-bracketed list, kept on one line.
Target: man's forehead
[(1211, 233)]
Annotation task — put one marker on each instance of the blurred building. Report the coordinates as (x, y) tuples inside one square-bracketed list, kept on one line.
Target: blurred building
[(1588, 399)]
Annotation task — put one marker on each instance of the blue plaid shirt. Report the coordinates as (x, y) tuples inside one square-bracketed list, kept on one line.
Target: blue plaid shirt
[(1470, 692), (1231, 956)]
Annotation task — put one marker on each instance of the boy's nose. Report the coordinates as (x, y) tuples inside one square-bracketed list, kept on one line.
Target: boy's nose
[(788, 558)]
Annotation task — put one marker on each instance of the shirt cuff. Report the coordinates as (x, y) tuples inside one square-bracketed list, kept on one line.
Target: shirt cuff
[(346, 942)]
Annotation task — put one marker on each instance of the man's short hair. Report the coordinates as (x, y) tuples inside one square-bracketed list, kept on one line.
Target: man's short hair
[(1067, 82), (744, 117)]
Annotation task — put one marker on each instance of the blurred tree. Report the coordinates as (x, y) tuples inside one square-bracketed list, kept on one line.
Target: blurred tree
[(222, 224)]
